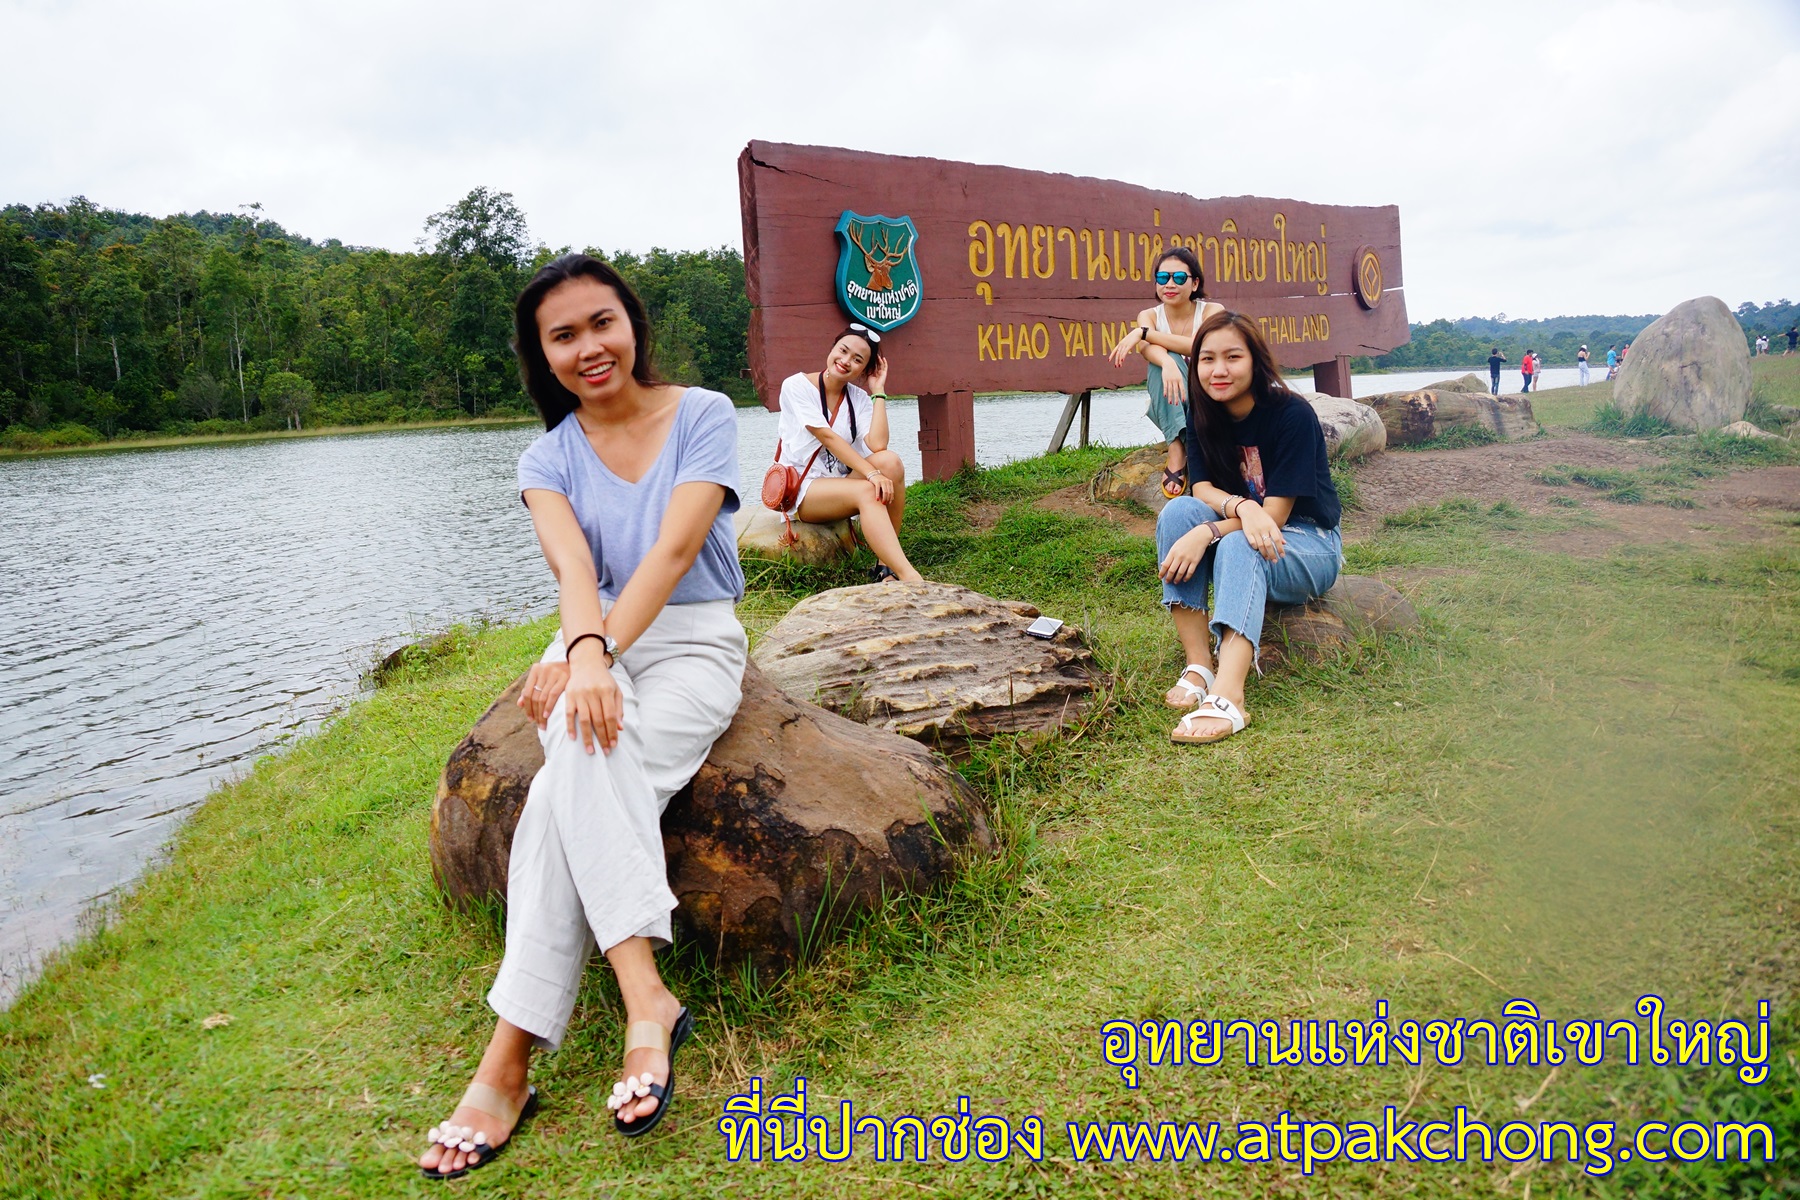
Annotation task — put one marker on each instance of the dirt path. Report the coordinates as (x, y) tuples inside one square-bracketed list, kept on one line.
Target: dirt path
[(1753, 504)]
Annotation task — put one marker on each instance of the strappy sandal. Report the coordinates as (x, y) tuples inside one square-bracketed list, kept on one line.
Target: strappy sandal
[(638, 1036), (1195, 693), (1174, 483), (473, 1141), (1212, 706), (882, 573)]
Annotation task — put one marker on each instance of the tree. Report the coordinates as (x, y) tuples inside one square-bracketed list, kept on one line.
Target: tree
[(288, 394), (200, 394), (484, 224)]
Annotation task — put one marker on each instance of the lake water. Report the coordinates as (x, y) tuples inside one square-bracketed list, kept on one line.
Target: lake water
[(168, 615)]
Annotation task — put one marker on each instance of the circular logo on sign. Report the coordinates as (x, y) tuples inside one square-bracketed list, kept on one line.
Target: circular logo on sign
[(1368, 276)]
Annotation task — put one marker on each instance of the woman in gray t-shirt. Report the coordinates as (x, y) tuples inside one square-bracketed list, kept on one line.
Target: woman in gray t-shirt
[(631, 490)]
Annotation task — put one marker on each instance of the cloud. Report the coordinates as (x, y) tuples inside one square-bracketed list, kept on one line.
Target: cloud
[(1546, 157)]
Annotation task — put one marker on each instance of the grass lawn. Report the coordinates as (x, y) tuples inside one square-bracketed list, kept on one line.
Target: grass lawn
[(1574, 784)]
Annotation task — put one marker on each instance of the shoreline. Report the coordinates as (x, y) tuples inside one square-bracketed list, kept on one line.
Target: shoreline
[(162, 442)]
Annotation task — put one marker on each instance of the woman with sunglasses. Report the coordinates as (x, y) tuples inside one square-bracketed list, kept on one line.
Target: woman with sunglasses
[(1261, 524), (1164, 335), (836, 435), (631, 490)]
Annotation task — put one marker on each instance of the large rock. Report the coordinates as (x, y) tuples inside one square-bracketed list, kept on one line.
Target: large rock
[(1134, 479), (761, 533), (1690, 367), (1355, 605), (1463, 383), (1414, 417), (798, 819), (931, 661), (1352, 429)]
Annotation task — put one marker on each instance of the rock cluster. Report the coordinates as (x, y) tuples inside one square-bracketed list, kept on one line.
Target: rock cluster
[(930, 661), (1414, 417), (1689, 367)]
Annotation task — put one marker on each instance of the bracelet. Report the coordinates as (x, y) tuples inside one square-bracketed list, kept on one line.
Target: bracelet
[(878, 395), (1229, 511), (599, 637)]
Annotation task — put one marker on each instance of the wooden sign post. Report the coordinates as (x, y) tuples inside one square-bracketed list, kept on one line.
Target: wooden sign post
[(995, 279)]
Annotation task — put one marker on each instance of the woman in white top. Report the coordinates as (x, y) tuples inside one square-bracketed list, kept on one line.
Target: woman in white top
[(1165, 336), (836, 435)]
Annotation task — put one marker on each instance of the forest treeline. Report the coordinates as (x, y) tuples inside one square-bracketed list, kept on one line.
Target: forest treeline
[(114, 323), (1467, 342)]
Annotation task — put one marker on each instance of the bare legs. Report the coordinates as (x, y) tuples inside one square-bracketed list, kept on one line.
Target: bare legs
[(1235, 659), (507, 1060), (1178, 462), (835, 499), (646, 999), (503, 1067)]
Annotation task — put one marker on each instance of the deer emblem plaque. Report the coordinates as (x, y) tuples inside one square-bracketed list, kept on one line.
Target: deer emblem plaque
[(878, 269)]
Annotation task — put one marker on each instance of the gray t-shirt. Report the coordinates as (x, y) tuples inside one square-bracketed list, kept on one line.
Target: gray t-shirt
[(621, 520)]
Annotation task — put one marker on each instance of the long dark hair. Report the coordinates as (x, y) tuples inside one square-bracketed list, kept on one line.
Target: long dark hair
[(553, 400), (1209, 425), (1191, 261)]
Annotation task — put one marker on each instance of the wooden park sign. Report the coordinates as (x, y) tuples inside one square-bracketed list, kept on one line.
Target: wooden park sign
[(995, 279)]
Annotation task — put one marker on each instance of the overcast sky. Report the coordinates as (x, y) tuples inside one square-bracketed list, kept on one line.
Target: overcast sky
[(1547, 158)]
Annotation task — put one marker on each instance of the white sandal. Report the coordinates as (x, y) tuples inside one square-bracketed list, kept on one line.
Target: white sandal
[(1195, 694), (1212, 707)]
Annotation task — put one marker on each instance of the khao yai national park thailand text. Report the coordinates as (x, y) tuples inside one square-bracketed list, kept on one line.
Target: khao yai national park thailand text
[(957, 601)]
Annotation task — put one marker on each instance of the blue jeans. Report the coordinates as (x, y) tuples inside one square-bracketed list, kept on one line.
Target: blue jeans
[(1241, 580)]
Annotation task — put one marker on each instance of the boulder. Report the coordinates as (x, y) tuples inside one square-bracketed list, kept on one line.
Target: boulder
[(797, 820), (1355, 605), (1745, 429), (1352, 429), (1134, 479), (761, 533), (1414, 417), (931, 661), (1463, 383), (1690, 367)]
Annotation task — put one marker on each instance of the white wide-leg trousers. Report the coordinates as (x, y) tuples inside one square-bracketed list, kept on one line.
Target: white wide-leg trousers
[(587, 857)]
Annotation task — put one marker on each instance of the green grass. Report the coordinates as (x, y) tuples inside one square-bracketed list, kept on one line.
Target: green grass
[(1574, 783)]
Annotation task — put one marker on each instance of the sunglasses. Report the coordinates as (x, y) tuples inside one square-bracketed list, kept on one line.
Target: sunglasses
[(1175, 277), (865, 331)]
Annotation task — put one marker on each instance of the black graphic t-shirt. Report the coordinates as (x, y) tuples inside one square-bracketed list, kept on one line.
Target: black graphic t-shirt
[(1281, 452)]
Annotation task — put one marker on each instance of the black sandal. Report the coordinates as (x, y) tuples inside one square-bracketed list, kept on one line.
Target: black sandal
[(651, 1034), (474, 1141), (1174, 479), (882, 573)]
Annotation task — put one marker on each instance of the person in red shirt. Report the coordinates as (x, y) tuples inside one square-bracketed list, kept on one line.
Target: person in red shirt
[(1528, 369)]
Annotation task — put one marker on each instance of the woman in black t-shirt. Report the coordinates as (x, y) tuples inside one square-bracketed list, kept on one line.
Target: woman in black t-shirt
[(1261, 523)]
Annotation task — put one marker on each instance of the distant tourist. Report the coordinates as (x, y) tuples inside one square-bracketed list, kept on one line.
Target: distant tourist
[(1793, 336), (1528, 370), (1612, 360), (1261, 524), (1164, 335), (1495, 359), (1762, 343), (631, 490), (1581, 361)]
